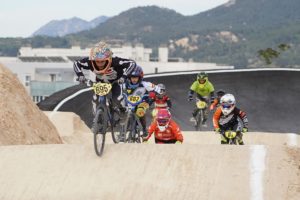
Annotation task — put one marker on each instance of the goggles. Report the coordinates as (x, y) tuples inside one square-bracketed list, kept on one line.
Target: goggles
[(226, 106), (162, 122)]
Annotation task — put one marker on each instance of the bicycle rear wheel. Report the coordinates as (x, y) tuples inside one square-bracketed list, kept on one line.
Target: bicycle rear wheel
[(113, 124), (99, 130)]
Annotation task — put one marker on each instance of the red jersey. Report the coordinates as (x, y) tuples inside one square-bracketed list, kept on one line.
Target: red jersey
[(172, 132), (163, 102)]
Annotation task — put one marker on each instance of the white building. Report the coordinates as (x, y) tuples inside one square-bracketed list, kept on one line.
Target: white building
[(44, 71)]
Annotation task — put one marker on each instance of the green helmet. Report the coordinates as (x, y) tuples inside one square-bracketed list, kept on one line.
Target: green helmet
[(202, 75), (202, 78)]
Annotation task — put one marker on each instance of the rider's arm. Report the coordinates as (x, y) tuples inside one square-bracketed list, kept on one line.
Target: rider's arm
[(124, 65), (214, 104), (176, 131), (169, 102), (151, 130), (216, 118), (150, 86), (212, 91), (82, 64), (242, 115)]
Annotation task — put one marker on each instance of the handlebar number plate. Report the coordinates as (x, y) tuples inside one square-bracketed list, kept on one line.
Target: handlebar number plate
[(133, 99), (102, 89)]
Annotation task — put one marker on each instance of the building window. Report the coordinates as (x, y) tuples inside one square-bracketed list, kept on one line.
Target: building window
[(52, 77), (27, 80)]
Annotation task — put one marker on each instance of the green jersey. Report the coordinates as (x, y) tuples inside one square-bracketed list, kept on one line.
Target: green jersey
[(203, 89)]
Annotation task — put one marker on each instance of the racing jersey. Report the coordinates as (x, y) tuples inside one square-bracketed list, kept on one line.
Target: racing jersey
[(172, 132), (119, 67), (219, 119), (204, 91), (163, 102)]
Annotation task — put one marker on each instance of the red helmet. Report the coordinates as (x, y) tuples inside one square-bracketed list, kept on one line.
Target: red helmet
[(163, 119)]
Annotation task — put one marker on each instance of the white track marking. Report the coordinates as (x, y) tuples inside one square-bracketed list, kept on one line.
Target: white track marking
[(257, 168), (292, 139), (67, 99)]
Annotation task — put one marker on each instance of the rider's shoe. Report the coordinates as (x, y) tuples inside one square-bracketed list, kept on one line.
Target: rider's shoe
[(204, 124), (145, 133), (192, 119), (121, 138)]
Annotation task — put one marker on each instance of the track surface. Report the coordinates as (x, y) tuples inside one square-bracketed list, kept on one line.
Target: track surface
[(270, 98)]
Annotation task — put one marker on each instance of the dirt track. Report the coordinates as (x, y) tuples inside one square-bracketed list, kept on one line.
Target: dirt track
[(198, 169)]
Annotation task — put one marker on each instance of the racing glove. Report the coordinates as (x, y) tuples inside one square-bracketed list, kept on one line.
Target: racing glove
[(190, 98), (244, 130), (121, 80), (81, 79), (217, 130)]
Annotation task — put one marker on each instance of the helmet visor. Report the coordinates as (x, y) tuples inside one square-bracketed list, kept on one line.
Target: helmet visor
[(100, 64), (162, 122), (202, 81), (226, 106)]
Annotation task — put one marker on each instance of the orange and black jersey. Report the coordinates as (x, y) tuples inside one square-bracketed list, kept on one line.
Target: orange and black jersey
[(219, 119)]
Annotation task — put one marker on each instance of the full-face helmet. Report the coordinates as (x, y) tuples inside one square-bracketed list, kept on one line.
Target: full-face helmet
[(227, 104), (101, 57), (163, 119), (135, 77), (202, 78), (220, 93), (162, 91)]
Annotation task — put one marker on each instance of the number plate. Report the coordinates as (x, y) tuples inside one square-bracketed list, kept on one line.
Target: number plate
[(230, 134), (201, 104), (102, 89), (133, 99)]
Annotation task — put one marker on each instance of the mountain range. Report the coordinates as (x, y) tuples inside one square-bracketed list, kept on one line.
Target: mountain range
[(232, 33), (67, 26)]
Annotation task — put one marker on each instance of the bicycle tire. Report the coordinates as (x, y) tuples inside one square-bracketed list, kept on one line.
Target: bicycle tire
[(199, 118), (99, 130), (115, 135)]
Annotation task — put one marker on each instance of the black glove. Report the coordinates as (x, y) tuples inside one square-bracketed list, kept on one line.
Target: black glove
[(190, 98), (121, 80), (212, 99), (81, 79)]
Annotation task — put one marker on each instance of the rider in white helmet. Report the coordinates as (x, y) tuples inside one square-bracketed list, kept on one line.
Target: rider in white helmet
[(226, 118)]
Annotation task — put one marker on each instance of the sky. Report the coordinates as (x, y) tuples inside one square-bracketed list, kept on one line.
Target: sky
[(20, 18)]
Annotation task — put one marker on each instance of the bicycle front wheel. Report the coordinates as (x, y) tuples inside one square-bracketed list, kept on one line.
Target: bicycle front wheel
[(199, 118), (99, 130)]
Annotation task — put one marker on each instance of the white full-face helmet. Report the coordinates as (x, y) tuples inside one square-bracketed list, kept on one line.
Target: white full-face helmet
[(227, 104)]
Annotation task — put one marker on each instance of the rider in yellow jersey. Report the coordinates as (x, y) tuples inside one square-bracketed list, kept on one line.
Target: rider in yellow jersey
[(204, 90)]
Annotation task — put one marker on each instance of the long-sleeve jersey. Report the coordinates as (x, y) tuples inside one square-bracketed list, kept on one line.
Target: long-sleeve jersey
[(172, 132), (205, 91), (119, 67), (163, 102), (219, 119)]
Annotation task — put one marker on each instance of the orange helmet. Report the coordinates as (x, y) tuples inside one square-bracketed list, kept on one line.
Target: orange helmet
[(101, 52)]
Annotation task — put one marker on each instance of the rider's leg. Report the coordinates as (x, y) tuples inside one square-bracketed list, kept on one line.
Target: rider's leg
[(144, 125), (94, 104), (223, 139), (238, 128)]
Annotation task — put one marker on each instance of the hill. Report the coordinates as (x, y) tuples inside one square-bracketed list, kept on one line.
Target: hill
[(231, 33), (67, 26)]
